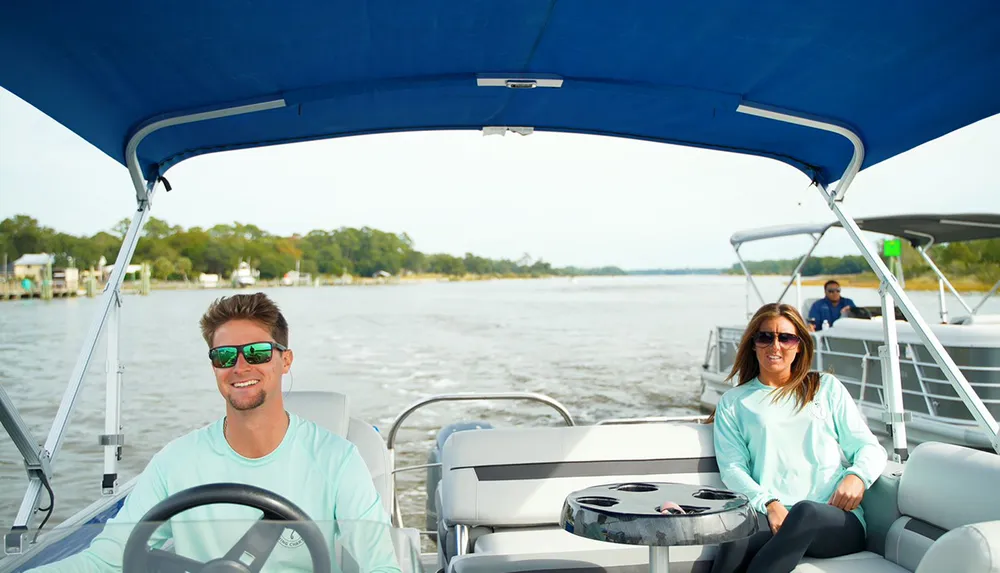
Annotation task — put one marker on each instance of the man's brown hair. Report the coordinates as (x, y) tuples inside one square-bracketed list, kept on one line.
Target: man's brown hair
[(256, 307)]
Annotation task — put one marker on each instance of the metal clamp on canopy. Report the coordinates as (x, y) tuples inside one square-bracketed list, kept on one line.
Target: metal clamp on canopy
[(111, 439), (890, 417)]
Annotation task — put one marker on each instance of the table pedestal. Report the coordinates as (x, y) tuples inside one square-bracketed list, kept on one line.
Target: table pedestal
[(659, 559)]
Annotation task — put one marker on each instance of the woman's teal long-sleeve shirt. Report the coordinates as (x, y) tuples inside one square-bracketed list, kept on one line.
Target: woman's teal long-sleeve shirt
[(769, 450)]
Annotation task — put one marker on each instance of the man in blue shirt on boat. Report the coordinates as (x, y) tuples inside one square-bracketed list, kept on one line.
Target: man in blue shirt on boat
[(829, 308), (257, 442)]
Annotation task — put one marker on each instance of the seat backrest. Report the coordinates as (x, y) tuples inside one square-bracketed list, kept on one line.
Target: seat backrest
[(943, 487), (518, 477), (807, 305), (327, 409), (330, 410)]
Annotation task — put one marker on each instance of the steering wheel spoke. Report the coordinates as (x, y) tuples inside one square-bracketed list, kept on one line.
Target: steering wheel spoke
[(257, 543), (167, 562)]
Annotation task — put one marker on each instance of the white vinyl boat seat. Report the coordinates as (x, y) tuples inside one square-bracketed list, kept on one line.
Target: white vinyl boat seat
[(508, 487), (330, 410)]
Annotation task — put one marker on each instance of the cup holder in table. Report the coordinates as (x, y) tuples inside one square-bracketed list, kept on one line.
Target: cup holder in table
[(713, 494), (598, 501), (636, 487)]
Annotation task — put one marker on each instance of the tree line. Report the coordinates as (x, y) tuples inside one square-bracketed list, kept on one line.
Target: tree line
[(181, 254), (979, 259)]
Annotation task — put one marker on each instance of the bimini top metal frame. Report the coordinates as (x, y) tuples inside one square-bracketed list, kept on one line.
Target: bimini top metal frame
[(922, 231), (792, 82)]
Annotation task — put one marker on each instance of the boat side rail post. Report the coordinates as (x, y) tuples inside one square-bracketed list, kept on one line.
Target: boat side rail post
[(918, 368), (109, 298), (112, 440), (397, 516), (710, 351), (888, 355), (864, 374), (942, 303), (893, 291)]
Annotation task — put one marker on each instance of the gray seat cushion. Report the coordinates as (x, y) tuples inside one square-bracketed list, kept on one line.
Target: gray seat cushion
[(864, 562), (972, 548)]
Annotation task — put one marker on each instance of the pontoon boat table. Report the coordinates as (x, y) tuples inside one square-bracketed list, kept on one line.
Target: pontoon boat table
[(629, 513)]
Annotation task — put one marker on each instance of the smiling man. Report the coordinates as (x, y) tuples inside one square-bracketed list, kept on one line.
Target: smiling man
[(257, 442)]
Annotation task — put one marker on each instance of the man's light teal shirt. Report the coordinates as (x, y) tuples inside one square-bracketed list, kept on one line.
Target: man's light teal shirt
[(320, 472), (769, 450)]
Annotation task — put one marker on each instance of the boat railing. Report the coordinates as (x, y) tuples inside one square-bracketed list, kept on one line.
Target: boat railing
[(397, 516)]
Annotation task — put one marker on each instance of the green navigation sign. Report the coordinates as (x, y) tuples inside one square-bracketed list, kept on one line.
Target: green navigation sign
[(892, 248)]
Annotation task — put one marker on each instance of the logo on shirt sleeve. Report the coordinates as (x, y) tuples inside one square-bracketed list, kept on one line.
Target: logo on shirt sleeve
[(290, 539)]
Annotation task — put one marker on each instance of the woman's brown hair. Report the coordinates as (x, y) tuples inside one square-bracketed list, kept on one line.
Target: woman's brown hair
[(803, 383)]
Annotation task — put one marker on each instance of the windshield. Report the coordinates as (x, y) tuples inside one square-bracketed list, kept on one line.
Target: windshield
[(187, 545)]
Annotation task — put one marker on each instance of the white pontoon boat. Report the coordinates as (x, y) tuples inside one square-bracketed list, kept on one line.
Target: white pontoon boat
[(827, 88), (850, 347)]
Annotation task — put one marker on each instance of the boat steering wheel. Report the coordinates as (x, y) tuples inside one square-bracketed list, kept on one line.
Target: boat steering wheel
[(258, 541)]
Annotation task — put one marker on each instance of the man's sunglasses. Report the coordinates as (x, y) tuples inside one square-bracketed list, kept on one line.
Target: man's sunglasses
[(253, 353), (785, 339), (832, 290)]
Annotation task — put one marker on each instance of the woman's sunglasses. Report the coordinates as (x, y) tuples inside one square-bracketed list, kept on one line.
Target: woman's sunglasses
[(253, 353), (785, 339)]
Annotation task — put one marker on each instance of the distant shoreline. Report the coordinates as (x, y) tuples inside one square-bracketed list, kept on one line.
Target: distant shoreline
[(415, 278), (920, 283)]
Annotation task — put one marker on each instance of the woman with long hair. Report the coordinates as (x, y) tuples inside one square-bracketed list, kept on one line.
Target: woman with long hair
[(779, 435)]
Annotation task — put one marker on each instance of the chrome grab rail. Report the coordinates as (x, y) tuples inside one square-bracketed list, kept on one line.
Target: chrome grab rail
[(651, 420), (415, 467), (397, 516)]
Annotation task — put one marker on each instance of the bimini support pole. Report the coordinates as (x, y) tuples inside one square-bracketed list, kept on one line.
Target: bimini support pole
[(750, 282), (109, 298), (797, 273), (943, 279), (992, 292), (891, 288)]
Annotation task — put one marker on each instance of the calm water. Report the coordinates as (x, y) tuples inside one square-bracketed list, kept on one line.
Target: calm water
[(604, 347)]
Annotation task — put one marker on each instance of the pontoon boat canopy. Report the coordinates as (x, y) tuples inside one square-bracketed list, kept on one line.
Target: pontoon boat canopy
[(762, 233), (897, 74), (919, 230)]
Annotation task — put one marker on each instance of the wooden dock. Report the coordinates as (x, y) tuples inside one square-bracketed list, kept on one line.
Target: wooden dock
[(14, 291)]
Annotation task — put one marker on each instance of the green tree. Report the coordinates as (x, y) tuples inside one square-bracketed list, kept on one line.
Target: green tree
[(184, 266), (162, 268)]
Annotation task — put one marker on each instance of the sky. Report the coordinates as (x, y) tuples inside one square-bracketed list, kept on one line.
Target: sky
[(569, 199)]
